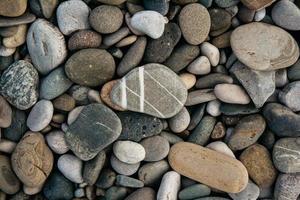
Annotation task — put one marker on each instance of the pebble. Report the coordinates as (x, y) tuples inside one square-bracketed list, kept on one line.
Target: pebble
[(172, 138), (257, 5), (32, 165), (218, 131), (71, 167), (106, 19), (57, 143), (19, 84), (200, 96), (13, 8), (293, 72), (8, 31), (200, 66), (281, 78), (17, 127), (7, 146), (268, 139), (168, 88), (9, 183), (5, 113), (194, 22), (251, 192), (222, 41), (196, 116), (213, 108), (126, 41), (129, 152), (156, 148), (194, 191), (221, 147), (180, 122), (226, 3), (238, 109), (43, 8), (289, 96), (257, 160), (151, 173), (201, 133), (83, 39), (133, 56), (26, 18), (72, 16), (96, 61), (287, 186), (123, 168), (58, 187), (136, 126), (188, 79), (91, 131), (269, 54), (231, 93), (106, 179), (92, 168), (220, 21), (161, 6), (145, 193), (105, 95), (158, 50), (203, 165), (40, 115), (17, 39), (126, 181), (211, 52), (5, 51), (115, 37), (286, 155), (169, 186), (182, 56), (46, 46), (115, 192), (213, 79), (260, 85), (260, 15), (64, 103), (54, 84), (149, 22), (281, 120), (247, 132)]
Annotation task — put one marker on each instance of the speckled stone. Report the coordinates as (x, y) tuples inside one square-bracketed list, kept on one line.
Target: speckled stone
[(84, 39), (287, 186), (200, 96), (13, 8)]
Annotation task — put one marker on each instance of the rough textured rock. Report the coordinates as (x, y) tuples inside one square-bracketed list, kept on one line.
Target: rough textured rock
[(84, 39), (287, 186)]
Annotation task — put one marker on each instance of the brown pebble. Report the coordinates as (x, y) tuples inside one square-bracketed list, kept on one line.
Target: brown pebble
[(222, 41), (5, 113), (257, 4), (84, 39), (64, 103), (105, 95)]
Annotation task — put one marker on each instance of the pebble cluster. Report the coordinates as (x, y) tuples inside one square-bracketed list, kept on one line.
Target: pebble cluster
[(149, 100)]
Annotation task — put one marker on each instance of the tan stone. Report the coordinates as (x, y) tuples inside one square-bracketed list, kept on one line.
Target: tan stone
[(257, 160), (105, 95), (17, 39), (231, 93), (219, 131), (257, 4), (222, 41), (32, 160), (209, 167), (188, 79), (64, 102), (12, 8)]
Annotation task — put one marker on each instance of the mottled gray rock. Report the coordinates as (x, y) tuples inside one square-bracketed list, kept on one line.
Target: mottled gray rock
[(19, 84), (259, 85), (290, 95), (54, 84), (281, 120), (46, 46), (94, 129), (251, 192), (156, 148), (92, 168), (286, 155), (72, 16), (135, 91), (169, 186), (123, 168), (126, 181), (287, 186), (40, 115)]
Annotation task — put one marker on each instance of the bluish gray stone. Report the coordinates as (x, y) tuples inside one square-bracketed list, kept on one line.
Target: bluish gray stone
[(127, 181), (290, 96), (161, 6), (194, 191)]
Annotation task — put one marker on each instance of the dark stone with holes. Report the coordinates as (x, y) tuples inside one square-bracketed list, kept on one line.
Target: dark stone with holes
[(136, 126)]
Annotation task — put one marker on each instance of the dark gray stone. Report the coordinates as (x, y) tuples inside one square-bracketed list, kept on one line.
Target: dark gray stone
[(267, 139), (211, 80), (106, 179), (287, 186), (226, 3), (18, 126), (151, 173), (126, 181), (194, 191), (294, 71), (19, 84), (237, 109), (94, 129), (196, 116), (200, 96), (5, 62), (161, 6), (159, 50), (281, 120), (92, 168), (116, 193)]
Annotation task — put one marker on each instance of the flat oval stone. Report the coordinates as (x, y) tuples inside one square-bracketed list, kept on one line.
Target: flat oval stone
[(169, 186), (286, 155), (211, 52), (188, 79), (290, 95), (257, 160), (180, 122), (200, 66), (194, 191), (287, 186), (85, 65), (71, 167), (156, 148), (84, 39), (149, 22), (158, 50), (32, 160), (231, 93), (19, 84), (247, 132), (145, 193), (203, 165), (54, 84), (281, 120), (278, 49), (127, 181), (106, 179), (129, 152), (106, 19), (194, 22), (213, 79), (46, 46), (95, 128), (40, 115), (257, 5), (200, 96), (9, 183), (72, 16), (116, 192), (57, 142), (26, 18), (122, 167), (13, 8), (135, 91), (226, 3)]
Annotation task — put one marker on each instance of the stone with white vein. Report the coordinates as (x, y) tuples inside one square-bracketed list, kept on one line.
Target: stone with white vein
[(153, 89)]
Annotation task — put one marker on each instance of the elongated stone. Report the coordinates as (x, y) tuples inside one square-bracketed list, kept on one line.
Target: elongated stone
[(152, 89), (204, 165)]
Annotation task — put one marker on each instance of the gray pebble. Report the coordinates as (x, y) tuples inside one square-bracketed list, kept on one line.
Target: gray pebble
[(211, 80), (71, 167), (126, 181), (281, 78), (290, 95), (200, 96), (129, 152), (116, 193), (115, 37), (106, 179), (56, 141), (251, 192), (194, 191), (172, 138), (123, 168), (287, 186), (180, 121), (156, 148), (92, 168)]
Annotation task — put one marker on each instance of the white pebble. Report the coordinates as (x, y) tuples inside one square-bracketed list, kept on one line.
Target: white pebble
[(260, 15), (199, 66), (71, 167), (213, 108), (56, 141), (169, 186), (7, 146), (221, 147), (129, 152), (211, 52)]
